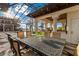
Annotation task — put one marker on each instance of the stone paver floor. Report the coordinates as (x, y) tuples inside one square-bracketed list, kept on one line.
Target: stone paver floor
[(4, 45)]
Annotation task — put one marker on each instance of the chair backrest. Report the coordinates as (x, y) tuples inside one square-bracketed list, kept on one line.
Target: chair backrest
[(20, 34), (14, 45), (69, 49), (77, 50), (10, 40)]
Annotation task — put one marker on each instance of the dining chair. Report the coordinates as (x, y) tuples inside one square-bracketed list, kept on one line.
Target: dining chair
[(69, 49), (77, 50), (11, 43), (20, 34), (22, 52), (15, 47)]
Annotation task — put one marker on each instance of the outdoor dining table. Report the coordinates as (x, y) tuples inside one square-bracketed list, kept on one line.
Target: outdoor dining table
[(48, 46)]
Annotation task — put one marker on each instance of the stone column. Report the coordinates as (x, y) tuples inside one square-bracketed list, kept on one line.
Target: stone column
[(3, 27), (36, 25), (26, 30), (13, 27), (46, 22), (46, 26), (54, 25), (54, 22), (32, 24), (51, 34)]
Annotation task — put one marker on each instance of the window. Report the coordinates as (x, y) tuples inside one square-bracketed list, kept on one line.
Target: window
[(60, 26), (41, 25), (62, 23)]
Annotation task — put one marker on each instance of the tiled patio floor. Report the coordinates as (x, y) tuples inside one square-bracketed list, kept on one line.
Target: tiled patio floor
[(4, 45)]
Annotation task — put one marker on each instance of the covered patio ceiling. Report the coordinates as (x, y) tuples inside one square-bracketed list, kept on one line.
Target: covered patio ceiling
[(51, 7)]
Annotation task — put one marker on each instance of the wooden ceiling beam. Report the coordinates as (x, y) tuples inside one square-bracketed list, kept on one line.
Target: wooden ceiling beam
[(51, 7)]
